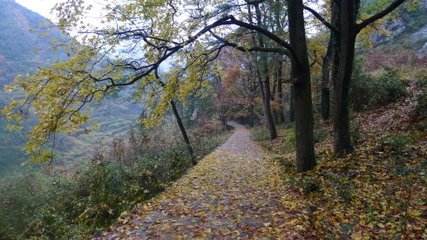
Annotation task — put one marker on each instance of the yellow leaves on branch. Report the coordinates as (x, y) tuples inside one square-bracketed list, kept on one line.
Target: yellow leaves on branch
[(56, 96), (188, 75)]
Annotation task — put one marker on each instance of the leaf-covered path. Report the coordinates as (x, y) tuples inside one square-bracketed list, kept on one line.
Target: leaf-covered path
[(235, 192)]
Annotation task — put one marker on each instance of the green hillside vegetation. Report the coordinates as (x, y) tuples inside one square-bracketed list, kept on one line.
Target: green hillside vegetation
[(25, 44)]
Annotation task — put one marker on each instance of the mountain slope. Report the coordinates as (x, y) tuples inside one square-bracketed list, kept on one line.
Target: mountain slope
[(25, 39), (25, 44)]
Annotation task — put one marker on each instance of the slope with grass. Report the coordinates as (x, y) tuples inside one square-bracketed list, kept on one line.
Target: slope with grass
[(379, 190)]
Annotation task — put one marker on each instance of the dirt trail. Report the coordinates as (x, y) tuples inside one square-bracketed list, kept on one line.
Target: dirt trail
[(235, 192)]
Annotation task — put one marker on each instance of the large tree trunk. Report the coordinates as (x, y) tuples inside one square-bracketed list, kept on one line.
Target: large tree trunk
[(184, 133), (342, 138), (302, 94)]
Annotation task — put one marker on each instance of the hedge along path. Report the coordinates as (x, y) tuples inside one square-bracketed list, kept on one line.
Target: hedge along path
[(235, 192)]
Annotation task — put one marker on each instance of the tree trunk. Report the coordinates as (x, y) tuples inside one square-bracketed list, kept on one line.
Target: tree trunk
[(303, 102), (184, 133), (324, 101), (332, 56), (251, 115), (342, 138), (281, 117), (336, 40), (267, 108), (266, 98), (292, 104)]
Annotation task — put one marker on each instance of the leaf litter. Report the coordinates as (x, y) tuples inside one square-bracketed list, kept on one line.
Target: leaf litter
[(235, 192)]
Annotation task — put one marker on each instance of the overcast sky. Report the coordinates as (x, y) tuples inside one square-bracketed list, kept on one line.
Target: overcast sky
[(42, 7)]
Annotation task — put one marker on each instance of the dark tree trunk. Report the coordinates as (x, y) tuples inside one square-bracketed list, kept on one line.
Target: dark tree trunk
[(325, 92), (342, 138), (265, 92), (302, 88), (348, 30), (330, 62), (266, 98), (267, 108), (336, 40), (251, 115), (292, 104), (280, 117), (184, 133), (325, 103), (273, 92)]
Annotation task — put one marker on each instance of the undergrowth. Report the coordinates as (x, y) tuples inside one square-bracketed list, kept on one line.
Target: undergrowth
[(376, 192), (379, 190), (285, 142), (52, 205)]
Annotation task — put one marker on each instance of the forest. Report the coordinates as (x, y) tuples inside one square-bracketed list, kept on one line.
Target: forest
[(214, 119)]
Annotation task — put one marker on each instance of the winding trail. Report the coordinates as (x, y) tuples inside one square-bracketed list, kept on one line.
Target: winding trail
[(236, 192)]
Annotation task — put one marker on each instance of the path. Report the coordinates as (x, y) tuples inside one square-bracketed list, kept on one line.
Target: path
[(235, 192)]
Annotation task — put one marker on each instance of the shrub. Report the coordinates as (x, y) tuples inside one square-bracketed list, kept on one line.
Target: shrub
[(369, 91), (397, 142), (319, 135), (421, 105), (56, 206), (259, 134)]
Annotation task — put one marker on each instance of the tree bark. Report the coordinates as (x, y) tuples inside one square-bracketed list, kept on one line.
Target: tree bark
[(280, 117), (184, 133), (348, 30), (342, 138), (267, 107), (266, 98), (251, 115), (292, 104), (326, 73), (302, 88)]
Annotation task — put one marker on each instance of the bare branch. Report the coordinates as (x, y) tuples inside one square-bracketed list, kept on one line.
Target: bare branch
[(320, 18)]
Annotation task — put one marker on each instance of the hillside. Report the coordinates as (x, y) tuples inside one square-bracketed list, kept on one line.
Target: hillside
[(26, 41), (24, 45)]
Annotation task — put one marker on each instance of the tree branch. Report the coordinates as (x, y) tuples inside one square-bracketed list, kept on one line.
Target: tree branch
[(320, 18), (272, 36), (250, 49), (379, 15)]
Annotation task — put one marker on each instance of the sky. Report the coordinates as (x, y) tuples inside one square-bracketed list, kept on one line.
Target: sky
[(41, 7)]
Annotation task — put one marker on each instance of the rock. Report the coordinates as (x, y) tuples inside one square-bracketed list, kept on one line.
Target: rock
[(394, 28), (422, 53), (420, 34), (195, 114)]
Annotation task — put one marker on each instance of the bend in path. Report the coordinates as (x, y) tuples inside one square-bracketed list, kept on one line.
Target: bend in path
[(233, 193)]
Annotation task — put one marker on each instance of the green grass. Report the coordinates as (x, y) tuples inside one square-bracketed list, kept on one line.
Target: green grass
[(285, 142)]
